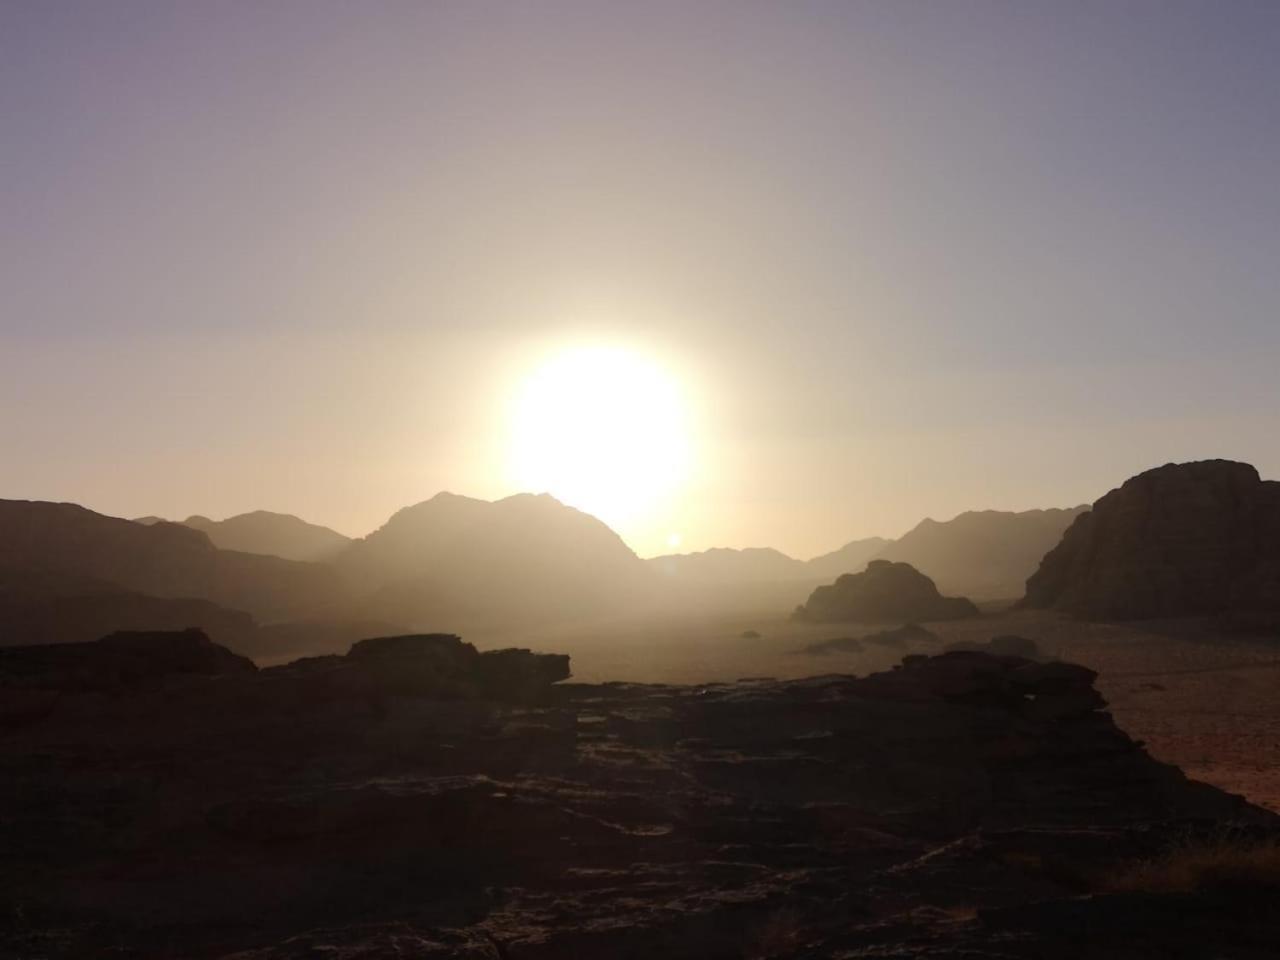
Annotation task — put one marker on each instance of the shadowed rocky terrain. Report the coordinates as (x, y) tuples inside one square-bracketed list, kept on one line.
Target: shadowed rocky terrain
[(417, 798)]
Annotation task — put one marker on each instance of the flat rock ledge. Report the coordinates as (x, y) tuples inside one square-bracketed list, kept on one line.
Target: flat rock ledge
[(417, 798)]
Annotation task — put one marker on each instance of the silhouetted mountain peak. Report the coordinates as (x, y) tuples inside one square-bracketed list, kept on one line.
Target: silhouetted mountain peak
[(730, 565), (161, 559), (463, 557), (851, 558), (982, 553), (272, 534)]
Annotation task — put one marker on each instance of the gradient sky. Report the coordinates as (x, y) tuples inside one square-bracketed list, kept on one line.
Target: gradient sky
[(908, 258)]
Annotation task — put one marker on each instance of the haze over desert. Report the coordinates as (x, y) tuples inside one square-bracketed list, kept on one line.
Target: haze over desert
[(565, 479)]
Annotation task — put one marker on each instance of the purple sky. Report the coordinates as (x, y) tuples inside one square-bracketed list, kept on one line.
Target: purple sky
[(912, 258)]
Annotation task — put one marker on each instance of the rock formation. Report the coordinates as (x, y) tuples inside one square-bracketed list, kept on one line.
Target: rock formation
[(1183, 540), (398, 802), (121, 659), (38, 606), (884, 592)]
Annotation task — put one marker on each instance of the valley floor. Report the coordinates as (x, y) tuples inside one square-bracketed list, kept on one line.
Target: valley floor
[(1199, 698)]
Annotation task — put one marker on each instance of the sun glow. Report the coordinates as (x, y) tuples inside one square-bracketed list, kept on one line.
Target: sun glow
[(604, 429)]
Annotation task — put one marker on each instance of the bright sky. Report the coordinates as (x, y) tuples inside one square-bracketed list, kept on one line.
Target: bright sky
[(869, 261)]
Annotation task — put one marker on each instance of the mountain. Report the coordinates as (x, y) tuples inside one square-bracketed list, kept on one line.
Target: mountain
[(721, 565), (272, 534), (454, 559), (851, 558), (1182, 540), (884, 592), (38, 606), (166, 560), (987, 554)]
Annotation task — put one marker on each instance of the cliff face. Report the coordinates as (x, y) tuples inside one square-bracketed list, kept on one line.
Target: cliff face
[(1191, 539), (417, 798)]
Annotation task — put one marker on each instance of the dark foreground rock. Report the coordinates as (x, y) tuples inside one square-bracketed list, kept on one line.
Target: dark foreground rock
[(1005, 645), (1182, 540), (884, 592), (120, 659), (964, 805)]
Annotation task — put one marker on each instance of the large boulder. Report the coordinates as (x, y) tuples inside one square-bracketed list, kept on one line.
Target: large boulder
[(885, 591), (1182, 540)]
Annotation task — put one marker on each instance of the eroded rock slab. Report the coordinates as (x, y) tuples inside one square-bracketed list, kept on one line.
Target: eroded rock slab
[(353, 807)]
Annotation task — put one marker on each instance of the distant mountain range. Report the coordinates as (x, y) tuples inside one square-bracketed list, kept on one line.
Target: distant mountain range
[(67, 573), (987, 555), (271, 534), (42, 606), (722, 565), (159, 560), (262, 581), (1184, 539), (983, 554)]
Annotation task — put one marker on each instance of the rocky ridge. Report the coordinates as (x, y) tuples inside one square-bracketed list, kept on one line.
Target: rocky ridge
[(420, 798)]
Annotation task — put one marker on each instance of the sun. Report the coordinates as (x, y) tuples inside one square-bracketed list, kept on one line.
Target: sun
[(605, 429)]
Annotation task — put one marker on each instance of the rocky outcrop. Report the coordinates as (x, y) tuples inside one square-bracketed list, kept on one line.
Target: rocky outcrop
[(122, 659), (1183, 540), (940, 809), (884, 592), (39, 607), (432, 665)]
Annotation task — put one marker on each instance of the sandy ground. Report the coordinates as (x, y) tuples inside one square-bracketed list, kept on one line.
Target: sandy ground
[(1197, 697)]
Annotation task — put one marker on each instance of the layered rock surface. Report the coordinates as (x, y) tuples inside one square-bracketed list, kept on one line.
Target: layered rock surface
[(1183, 540), (883, 593), (418, 798)]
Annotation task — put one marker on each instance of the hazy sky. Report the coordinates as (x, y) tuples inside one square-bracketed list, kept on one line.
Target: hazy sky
[(904, 258)]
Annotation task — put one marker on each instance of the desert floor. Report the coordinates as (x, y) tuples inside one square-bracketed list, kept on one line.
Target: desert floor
[(1198, 697)]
